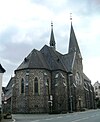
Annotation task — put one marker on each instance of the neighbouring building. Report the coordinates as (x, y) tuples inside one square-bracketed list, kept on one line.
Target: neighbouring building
[(2, 70), (97, 93), (97, 89), (7, 97), (50, 82)]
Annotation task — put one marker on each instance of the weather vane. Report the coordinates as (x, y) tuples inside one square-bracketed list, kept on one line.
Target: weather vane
[(51, 24), (71, 16)]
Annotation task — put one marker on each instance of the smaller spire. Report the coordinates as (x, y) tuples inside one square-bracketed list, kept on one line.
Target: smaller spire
[(52, 39)]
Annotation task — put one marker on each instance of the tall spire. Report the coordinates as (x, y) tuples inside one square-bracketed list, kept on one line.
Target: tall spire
[(73, 44), (52, 39)]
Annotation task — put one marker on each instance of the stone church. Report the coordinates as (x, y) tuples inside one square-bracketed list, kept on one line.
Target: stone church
[(50, 82)]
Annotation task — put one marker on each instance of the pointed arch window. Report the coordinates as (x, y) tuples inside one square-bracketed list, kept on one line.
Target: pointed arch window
[(22, 86), (36, 86)]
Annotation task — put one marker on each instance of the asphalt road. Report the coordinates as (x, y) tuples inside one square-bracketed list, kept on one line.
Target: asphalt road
[(87, 116)]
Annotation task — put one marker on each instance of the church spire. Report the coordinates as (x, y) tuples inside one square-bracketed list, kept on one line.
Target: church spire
[(52, 39), (73, 44)]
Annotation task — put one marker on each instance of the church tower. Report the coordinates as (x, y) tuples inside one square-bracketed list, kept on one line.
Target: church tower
[(52, 39), (77, 69), (74, 48)]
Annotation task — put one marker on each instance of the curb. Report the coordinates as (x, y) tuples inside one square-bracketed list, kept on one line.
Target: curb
[(13, 120), (7, 120)]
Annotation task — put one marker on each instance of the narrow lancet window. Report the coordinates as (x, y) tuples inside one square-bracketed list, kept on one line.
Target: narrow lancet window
[(22, 86), (36, 86)]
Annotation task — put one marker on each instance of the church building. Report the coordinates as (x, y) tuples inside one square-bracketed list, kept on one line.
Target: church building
[(50, 82)]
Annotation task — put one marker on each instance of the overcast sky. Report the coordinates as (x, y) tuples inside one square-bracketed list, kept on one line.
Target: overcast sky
[(26, 24)]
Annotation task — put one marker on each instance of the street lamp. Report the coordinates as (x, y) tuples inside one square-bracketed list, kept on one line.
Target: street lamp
[(70, 93)]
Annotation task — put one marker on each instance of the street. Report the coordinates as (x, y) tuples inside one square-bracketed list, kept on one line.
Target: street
[(87, 116)]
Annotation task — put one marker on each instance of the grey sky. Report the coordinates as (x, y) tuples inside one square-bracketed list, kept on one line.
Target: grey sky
[(25, 25)]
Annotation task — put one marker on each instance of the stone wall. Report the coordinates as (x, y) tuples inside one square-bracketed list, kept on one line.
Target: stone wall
[(29, 102), (79, 95)]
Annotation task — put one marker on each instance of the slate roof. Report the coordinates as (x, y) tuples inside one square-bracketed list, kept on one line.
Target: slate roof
[(11, 82), (34, 60), (46, 58), (8, 88), (53, 58)]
